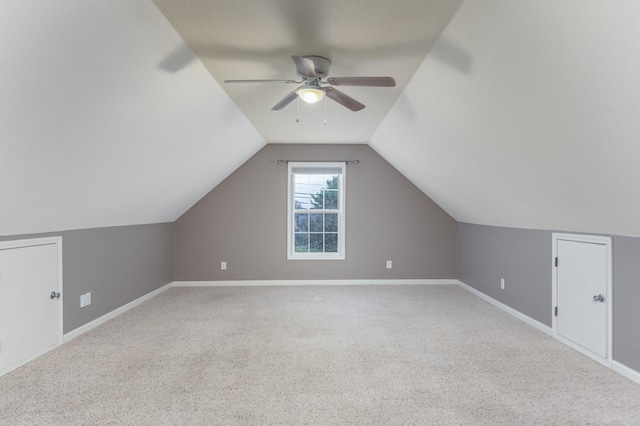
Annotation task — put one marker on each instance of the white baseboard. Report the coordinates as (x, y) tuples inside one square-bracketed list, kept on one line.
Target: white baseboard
[(625, 371), (525, 318), (619, 368), (106, 317), (245, 283)]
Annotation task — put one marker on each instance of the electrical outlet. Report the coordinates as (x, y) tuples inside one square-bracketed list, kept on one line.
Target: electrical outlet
[(502, 283), (389, 264), (85, 299), (223, 266)]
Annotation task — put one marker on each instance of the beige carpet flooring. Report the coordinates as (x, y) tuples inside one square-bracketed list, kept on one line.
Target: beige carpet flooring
[(329, 355)]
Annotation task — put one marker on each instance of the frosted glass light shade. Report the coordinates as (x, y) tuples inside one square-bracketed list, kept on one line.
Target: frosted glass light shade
[(311, 94)]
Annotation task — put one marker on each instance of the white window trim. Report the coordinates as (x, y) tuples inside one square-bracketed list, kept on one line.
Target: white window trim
[(340, 255)]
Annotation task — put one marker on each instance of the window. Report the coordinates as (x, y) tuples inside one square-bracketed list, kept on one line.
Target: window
[(315, 219)]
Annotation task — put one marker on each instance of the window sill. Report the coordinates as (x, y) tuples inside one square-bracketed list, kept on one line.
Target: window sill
[(315, 256)]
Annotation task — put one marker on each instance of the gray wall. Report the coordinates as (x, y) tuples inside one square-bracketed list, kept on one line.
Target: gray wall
[(117, 265), (626, 301), (243, 222), (523, 258)]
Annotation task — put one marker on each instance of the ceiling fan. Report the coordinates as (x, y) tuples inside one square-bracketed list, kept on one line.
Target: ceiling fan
[(313, 87)]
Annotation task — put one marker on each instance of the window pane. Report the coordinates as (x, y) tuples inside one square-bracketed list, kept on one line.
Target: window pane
[(316, 201), (331, 199), (301, 179), (316, 222), (301, 191), (302, 188), (316, 180), (331, 222), (302, 243), (331, 181), (315, 243), (302, 222), (301, 201), (331, 243)]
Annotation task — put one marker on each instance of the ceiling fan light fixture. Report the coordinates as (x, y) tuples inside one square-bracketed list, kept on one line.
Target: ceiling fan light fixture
[(311, 93)]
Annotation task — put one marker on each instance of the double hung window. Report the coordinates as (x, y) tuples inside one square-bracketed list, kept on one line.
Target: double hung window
[(316, 211)]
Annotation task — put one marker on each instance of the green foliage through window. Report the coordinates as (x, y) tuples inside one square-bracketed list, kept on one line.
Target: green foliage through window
[(316, 213)]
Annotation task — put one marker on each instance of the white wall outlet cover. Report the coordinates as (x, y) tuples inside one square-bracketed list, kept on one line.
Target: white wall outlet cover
[(223, 266), (88, 298), (502, 283), (83, 300), (389, 264)]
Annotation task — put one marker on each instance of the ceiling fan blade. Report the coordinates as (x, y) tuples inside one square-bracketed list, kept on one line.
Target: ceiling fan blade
[(343, 99), (362, 81), (305, 67), (262, 81), (285, 101)]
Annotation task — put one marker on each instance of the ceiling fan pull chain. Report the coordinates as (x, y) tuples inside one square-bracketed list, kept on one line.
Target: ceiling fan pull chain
[(297, 110), (325, 110)]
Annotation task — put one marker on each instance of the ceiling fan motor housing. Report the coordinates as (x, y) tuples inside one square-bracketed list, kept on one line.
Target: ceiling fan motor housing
[(321, 65)]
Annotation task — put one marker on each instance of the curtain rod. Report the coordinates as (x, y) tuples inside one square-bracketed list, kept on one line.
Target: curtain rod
[(318, 161)]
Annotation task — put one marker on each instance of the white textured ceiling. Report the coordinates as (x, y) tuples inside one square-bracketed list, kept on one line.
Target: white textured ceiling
[(253, 39), (541, 130), (92, 132)]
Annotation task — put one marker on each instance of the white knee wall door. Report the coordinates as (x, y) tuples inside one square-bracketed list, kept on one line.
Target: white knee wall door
[(30, 300), (582, 294)]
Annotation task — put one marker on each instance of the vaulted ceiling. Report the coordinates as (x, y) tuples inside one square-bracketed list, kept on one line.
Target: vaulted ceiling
[(507, 112), (254, 39)]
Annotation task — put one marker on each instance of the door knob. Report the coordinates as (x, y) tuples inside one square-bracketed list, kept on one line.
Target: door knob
[(598, 298), (54, 295)]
